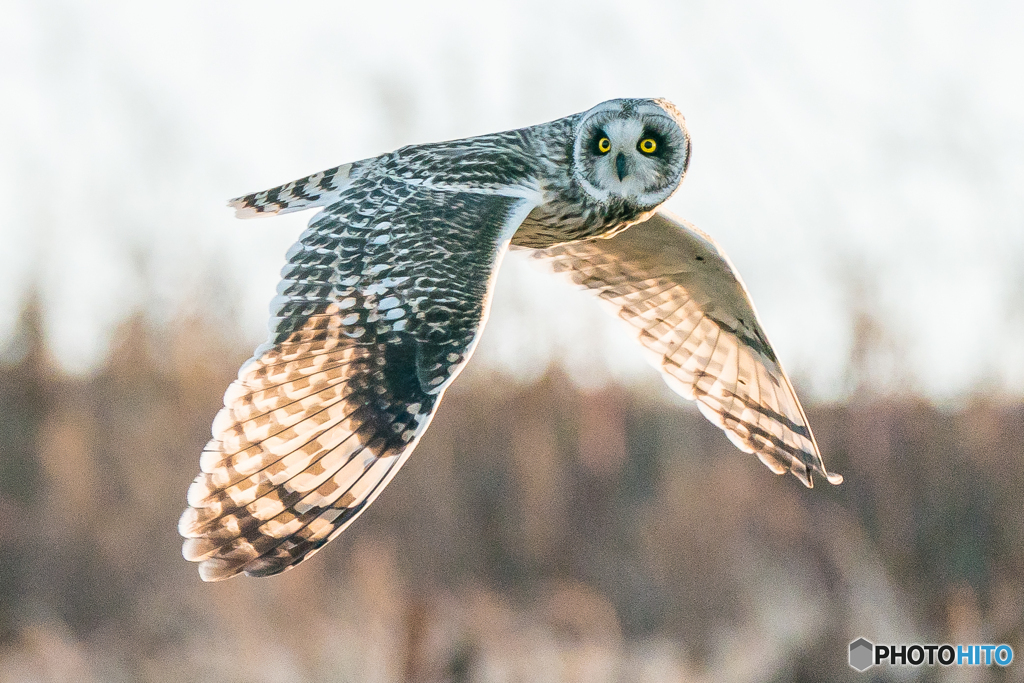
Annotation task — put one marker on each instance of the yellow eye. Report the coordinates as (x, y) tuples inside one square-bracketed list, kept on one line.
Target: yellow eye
[(604, 145), (648, 145)]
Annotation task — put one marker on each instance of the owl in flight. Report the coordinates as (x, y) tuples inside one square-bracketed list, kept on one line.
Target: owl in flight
[(383, 298)]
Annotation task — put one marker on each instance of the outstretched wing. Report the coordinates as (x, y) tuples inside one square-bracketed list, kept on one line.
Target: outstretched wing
[(379, 308), (678, 290)]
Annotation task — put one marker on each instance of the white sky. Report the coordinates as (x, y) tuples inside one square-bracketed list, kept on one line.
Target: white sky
[(849, 157)]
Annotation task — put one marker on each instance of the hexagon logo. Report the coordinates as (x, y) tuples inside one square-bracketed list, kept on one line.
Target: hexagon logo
[(862, 653)]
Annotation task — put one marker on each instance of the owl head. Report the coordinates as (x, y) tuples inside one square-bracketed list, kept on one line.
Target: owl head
[(635, 150)]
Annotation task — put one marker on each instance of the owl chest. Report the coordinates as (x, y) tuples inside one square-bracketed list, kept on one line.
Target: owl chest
[(557, 222)]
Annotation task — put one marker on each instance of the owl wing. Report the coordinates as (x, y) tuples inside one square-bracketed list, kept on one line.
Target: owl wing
[(677, 289), (379, 308)]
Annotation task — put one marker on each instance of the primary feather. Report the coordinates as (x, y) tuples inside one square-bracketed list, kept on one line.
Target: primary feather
[(691, 312)]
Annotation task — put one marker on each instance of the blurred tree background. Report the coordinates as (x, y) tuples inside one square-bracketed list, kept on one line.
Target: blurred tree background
[(541, 532)]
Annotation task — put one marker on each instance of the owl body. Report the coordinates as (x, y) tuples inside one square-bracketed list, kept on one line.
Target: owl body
[(540, 161), (383, 298)]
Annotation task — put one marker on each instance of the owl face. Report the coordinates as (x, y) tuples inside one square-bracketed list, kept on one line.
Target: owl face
[(633, 149)]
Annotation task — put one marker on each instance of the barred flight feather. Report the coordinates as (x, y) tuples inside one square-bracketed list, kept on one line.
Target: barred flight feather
[(319, 189), (693, 316), (326, 411)]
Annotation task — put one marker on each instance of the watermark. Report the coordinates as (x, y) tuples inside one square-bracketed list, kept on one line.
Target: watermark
[(864, 654)]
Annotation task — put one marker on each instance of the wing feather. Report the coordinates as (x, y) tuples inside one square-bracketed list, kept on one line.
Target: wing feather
[(379, 308), (692, 315), (319, 189)]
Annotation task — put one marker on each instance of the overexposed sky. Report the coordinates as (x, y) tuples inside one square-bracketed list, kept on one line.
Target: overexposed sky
[(854, 159)]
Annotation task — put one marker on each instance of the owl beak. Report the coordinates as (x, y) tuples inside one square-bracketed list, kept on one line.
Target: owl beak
[(620, 165)]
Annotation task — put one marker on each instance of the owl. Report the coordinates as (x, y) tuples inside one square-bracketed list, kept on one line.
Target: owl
[(383, 298)]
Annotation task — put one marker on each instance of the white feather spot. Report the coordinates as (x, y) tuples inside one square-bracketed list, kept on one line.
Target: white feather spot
[(198, 492), (277, 529), (266, 508), (224, 421), (389, 302)]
